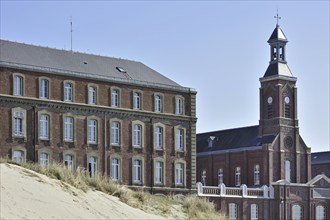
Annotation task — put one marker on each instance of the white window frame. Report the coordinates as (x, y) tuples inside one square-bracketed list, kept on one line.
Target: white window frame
[(159, 172), (44, 159), (297, 212), (115, 97), (158, 103), (92, 136), (287, 166), (18, 155), (115, 169), (93, 166), (68, 128), (256, 175), (179, 174), (137, 170), (44, 88), (68, 91), (237, 176), (92, 94), (137, 134), (44, 126), (203, 177), (320, 212), (18, 85), (179, 105), (180, 138), (159, 136), (232, 211), (220, 176), (18, 128), (137, 100), (254, 212), (68, 160), (115, 133)]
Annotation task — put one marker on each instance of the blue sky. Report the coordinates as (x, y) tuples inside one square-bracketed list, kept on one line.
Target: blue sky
[(217, 47)]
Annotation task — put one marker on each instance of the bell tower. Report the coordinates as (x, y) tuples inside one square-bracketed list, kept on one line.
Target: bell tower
[(278, 114)]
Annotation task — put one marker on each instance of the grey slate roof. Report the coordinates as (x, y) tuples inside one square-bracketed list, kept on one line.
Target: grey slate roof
[(321, 157), (236, 138), (277, 35), (43, 59), (278, 68)]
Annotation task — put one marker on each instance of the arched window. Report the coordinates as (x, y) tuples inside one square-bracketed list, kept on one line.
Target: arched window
[(288, 170), (256, 175), (297, 212), (68, 92), (320, 212)]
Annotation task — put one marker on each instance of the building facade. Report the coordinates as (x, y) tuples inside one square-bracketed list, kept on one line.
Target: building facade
[(264, 171), (321, 163), (109, 116)]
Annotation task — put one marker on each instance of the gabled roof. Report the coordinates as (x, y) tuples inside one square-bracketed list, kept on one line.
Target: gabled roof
[(278, 69), (55, 61), (277, 35), (236, 138), (321, 157), (318, 178)]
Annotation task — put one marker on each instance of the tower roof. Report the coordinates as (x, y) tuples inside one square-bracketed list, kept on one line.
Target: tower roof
[(277, 35)]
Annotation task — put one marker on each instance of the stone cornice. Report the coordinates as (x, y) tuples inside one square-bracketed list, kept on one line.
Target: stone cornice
[(98, 109)]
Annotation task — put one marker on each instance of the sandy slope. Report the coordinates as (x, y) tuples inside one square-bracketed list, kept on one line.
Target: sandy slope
[(25, 194)]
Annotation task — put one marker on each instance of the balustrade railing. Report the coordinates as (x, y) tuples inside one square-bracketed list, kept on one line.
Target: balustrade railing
[(243, 191)]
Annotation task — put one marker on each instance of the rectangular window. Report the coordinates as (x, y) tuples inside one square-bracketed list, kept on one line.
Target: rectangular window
[(92, 131), (159, 172), (44, 127), (91, 95), (114, 98), (179, 139), (232, 211), (287, 171), (179, 174), (115, 133), (44, 89), (115, 169), (158, 103), (220, 176), (136, 100), (137, 136), (92, 166), (18, 123), (237, 176), (179, 106), (68, 161), (269, 111), (68, 129), (137, 171), (159, 138), (18, 156), (287, 110), (18, 86), (256, 175), (254, 212), (68, 92), (44, 159)]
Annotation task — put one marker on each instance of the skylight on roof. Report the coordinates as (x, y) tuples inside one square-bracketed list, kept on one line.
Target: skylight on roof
[(121, 69)]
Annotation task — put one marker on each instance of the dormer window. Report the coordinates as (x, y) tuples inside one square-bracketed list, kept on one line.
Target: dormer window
[(121, 69), (210, 141)]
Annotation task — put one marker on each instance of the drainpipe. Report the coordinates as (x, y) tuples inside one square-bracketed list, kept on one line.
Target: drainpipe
[(105, 146), (34, 122)]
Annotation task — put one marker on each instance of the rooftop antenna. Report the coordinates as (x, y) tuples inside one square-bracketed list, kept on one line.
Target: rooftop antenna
[(71, 31), (277, 17)]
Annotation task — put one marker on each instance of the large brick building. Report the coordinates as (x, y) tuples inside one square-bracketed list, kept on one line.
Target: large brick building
[(264, 171), (109, 116)]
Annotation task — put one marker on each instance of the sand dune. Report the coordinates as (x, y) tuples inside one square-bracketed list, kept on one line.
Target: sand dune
[(25, 194)]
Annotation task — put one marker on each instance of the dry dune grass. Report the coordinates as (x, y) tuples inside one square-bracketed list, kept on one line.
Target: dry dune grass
[(189, 207)]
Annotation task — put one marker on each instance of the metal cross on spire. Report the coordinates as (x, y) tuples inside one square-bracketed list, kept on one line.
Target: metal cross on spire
[(277, 17)]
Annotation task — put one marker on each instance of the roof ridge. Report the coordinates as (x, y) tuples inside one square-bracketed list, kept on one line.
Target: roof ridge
[(229, 129)]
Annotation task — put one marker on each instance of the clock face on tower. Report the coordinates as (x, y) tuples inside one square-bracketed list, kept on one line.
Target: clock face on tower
[(270, 100), (287, 100)]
